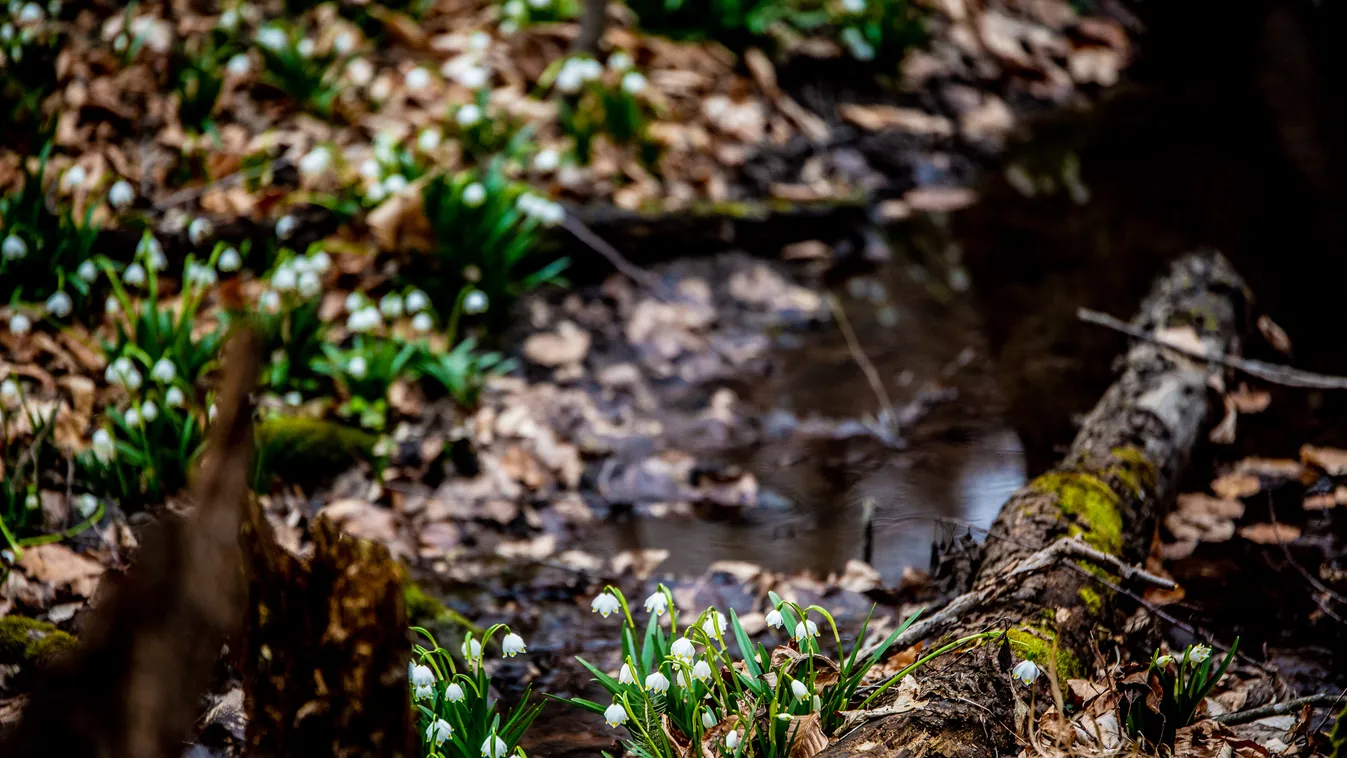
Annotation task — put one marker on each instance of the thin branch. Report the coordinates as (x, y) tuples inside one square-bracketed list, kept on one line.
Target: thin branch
[(195, 193), (1277, 709), (1268, 372), (1074, 546), (868, 368), (602, 247)]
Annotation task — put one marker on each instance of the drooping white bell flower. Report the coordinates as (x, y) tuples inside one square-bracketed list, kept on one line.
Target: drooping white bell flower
[(131, 417), (149, 411), (269, 301), (14, 248), (625, 675), (174, 398), (239, 65), (395, 184), (512, 645), (429, 139), (417, 301), (475, 302), (86, 504), (702, 671), (111, 306), (228, 20), (229, 259), (472, 650), (417, 79), (494, 747), (391, 305), (134, 275), (657, 603), (87, 271), (316, 162), (20, 324), (9, 391), (633, 83), (474, 195), (799, 689), (344, 43), (320, 262), (104, 448), (605, 604), (359, 71), (468, 116), (284, 278), (439, 732), (423, 682), (272, 38), (683, 648), (59, 304), (453, 693), (619, 61), (657, 683), (310, 284), (1196, 654), (199, 230), (164, 371), (546, 161), (357, 367), (774, 619), (1026, 671), (715, 624), (805, 629), (74, 178), (121, 194), (615, 715), (286, 226), (709, 719), (732, 739)]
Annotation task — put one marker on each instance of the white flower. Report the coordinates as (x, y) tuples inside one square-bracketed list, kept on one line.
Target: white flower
[(615, 715), (512, 645), (119, 44), (546, 161), (293, 398), (475, 302), (619, 61), (199, 230), (310, 284), (774, 619), (357, 367), (714, 621), (605, 604), (732, 739), (360, 71), (860, 48), (853, 6), (239, 65), (625, 675), (1196, 654), (540, 4), (422, 322), (453, 693), (428, 139), (391, 305), (153, 253), (174, 398), (123, 372), (494, 747), (111, 306), (164, 371), (469, 115), (132, 417), (423, 682), (354, 302), (417, 301), (472, 650), (284, 278), (508, 27), (74, 178), (590, 69), (104, 447), (121, 194), (134, 275), (395, 184), (211, 411), (513, 8), (229, 260), (269, 301), (657, 683), (59, 304), (702, 671), (570, 79), (657, 603), (149, 411), (417, 79), (272, 38), (229, 20), (682, 648), (9, 391), (316, 162), (344, 43), (439, 731), (376, 193), (369, 168), (20, 324), (473, 77), (709, 719), (799, 689), (806, 628), (199, 274), (320, 262), (474, 195), (479, 41), (286, 226), (1025, 671), (86, 504), (14, 248), (633, 83), (87, 271)]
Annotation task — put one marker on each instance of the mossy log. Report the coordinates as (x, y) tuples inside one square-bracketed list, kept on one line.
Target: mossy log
[(1109, 491)]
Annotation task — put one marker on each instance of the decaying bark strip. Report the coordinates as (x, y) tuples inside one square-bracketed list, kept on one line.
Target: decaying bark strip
[(1107, 492)]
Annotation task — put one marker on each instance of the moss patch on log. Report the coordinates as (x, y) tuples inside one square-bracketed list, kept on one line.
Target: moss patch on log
[(1038, 643), (29, 642), (1089, 503), (293, 447)]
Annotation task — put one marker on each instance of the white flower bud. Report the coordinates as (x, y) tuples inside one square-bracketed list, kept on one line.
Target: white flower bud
[(59, 304), (121, 194)]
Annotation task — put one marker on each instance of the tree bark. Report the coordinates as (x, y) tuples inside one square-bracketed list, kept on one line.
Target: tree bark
[(593, 23), (1108, 492)]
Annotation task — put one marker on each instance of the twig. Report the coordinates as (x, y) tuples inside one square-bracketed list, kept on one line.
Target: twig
[(1074, 546), (1268, 372), (1277, 709), (867, 368), (1315, 583), (194, 193), (600, 245)]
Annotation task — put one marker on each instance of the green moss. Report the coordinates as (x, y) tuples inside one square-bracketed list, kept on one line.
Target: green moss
[(1133, 469), (29, 642), (423, 609), (1090, 503), (1039, 644), (1091, 599), (296, 447)]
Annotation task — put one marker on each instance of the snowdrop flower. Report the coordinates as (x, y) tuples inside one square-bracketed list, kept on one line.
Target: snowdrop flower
[(211, 412), (702, 671), (269, 301), (508, 27), (417, 79), (806, 628), (473, 77), (1025, 671), (59, 304), (149, 411), (286, 226), (615, 715), (132, 417), (475, 302), (633, 83), (422, 322), (354, 302), (357, 367), (199, 230), (605, 604), (860, 49), (546, 161), (239, 65), (30, 13), (87, 271), (310, 285), (292, 398), (229, 20), (200, 274), (104, 448), (369, 168), (284, 279), (512, 645), (479, 41), (713, 622), (709, 719), (360, 71), (229, 260), (619, 61), (853, 6), (570, 79), (121, 194), (14, 248), (316, 162), (395, 184), (74, 178), (657, 603), (539, 4), (164, 371), (682, 648), (111, 306), (625, 675), (1197, 654), (119, 44), (732, 739), (86, 504), (9, 391), (423, 682), (474, 195), (799, 689), (153, 253), (391, 305), (174, 398), (272, 38), (494, 747), (453, 693), (20, 324), (344, 43), (440, 731), (6, 32), (134, 275), (513, 8), (472, 650), (376, 193), (428, 139), (417, 301), (775, 620), (468, 116), (590, 69), (657, 683)]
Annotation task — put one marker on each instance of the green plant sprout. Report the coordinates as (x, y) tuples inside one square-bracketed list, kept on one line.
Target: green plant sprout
[(598, 101), (295, 67), (1184, 681), (44, 252)]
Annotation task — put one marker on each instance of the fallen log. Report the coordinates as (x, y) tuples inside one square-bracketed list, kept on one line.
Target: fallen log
[(1106, 493)]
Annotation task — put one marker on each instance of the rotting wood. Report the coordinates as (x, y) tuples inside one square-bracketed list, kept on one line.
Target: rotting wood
[(1108, 492)]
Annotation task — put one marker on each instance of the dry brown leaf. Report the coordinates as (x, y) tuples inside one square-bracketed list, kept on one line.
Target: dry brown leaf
[(1275, 468), (1197, 503), (1274, 334), (567, 345), (363, 519), (809, 737), (879, 117), (1236, 485), (940, 199), (1224, 432), (1270, 534), (1320, 502), (62, 568), (1182, 337), (1331, 460), (1249, 401)]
